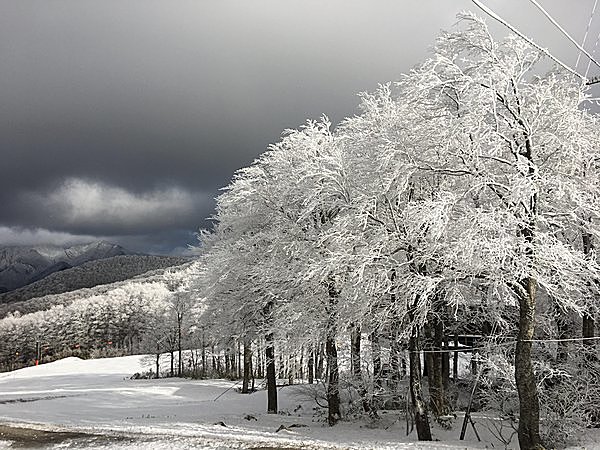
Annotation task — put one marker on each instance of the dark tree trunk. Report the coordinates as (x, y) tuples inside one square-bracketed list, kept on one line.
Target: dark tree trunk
[(376, 357), (247, 366), (588, 333), (333, 393), (179, 350), (445, 367), (416, 393), (213, 359), (172, 363), (455, 359), (311, 366), (291, 368), (437, 393), (428, 354), (281, 373), (395, 369), (260, 372), (157, 361), (203, 354), (355, 351), (588, 328), (355, 339), (240, 365), (320, 360), (271, 380), (563, 331), (529, 414)]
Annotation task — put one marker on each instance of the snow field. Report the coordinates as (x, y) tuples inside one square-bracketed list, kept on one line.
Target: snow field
[(97, 396)]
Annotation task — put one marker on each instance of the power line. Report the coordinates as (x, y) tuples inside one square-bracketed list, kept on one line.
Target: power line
[(494, 16), (564, 32), (593, 338), (587, 30), (590, 62), (505, 343)]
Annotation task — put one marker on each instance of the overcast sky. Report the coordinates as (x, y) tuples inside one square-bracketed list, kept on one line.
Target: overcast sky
[(121, 119)]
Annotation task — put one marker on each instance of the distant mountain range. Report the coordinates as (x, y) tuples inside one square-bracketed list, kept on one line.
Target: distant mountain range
[(23, 265), (88, 275), (151, 283)]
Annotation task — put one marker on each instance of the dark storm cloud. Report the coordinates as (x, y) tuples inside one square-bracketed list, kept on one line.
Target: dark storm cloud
[(149, 105)]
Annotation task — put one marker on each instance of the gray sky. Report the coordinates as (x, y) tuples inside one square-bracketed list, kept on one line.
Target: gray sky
[(122, 119)]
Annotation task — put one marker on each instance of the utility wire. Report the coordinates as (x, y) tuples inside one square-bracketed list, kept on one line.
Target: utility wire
[(505, 343), (587, 30), (494, 16), (594, 80), (563, 31), (594, 338)]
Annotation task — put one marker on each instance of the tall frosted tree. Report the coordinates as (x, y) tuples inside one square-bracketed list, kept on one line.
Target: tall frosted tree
[(512, 176)]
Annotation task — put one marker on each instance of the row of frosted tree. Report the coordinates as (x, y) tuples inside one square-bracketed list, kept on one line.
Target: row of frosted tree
[(462, 199)]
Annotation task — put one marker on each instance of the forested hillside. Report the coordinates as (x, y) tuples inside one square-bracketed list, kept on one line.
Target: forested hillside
[(21, 265), (89, 274), (118, 318)]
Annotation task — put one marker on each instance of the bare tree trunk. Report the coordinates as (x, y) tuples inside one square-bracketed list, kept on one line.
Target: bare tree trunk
[(437, 394), (395, 369), (213, 359), (281, 372), (203, 354), (588, 332), (588, 328), (563, 331), (355, 339), (455, 359), (333, 393), (301, 366), (291, 363), (247, 366), (416, 391), (259, 362), (529, 414), (311, 366), (157, 361), (320, 360), (445, 366), (270, 362), (180, 361), (376, 357), (271, 380), (355, 351)]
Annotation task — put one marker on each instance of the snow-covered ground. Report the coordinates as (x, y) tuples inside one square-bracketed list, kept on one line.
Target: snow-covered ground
[(96, 405)]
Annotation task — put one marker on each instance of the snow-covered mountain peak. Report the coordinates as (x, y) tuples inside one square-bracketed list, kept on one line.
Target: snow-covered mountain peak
[(21, 265)]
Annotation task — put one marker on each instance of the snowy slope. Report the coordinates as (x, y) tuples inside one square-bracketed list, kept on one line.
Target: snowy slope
[(97, 396)]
